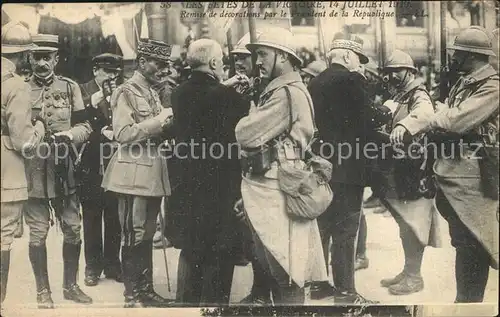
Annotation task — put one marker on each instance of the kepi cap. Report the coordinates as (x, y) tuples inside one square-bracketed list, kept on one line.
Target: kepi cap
[(108, 61), (45, 43), (154, 49), (350, 42)]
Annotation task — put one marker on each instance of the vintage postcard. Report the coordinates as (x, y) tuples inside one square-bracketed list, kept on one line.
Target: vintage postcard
[(274, 158)]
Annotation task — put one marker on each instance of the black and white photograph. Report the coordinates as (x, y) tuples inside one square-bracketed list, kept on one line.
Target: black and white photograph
[(247, 158)]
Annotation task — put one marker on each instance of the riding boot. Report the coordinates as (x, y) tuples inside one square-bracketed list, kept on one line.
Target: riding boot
[(146, 291), (38, 259), (4, 271), (71, 290), (128, 270)]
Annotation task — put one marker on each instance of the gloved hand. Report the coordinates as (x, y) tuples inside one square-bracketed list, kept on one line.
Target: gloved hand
[(108, 134), (165, 114), (62, 137)]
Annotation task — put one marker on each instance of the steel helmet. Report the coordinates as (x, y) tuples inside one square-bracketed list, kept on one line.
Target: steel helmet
[(399, 59), (314, 68), (474, 39), (240, 46), (16, 38), (278, 38)]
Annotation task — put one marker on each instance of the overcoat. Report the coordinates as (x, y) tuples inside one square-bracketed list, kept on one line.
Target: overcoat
[(139, 166), (17, 133), (207, 174), (345, 119), (418, 212), (472, 108), (295, 244)]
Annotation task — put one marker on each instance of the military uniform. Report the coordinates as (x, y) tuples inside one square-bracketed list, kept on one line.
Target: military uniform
[(139, 176), (51, 181), (101, 254), (17, 136), (465, 197)]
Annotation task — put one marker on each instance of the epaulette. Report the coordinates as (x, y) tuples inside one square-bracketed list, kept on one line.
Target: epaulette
[(71, 81)]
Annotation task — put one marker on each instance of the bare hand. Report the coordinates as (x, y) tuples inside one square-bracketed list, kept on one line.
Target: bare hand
[(238, 79), (96, 98), (107, 133), (63, 137), (165, 114), (398, 134), (239, 210)]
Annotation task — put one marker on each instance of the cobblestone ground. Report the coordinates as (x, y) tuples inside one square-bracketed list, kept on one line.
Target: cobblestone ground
[(383, 250)]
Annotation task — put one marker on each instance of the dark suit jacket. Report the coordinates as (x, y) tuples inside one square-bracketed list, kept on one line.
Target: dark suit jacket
[(99, 117), (344, 115), (200, 214)]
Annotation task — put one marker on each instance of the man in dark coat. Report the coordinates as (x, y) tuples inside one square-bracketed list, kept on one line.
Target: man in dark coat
[(345, 119), (201, 218), (96, 203)]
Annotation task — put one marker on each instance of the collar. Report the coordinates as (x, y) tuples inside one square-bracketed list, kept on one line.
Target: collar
[(480, 74), (139, 79), (409, 87), (282, 80), (200, 74), (44, 81), (7, 66)]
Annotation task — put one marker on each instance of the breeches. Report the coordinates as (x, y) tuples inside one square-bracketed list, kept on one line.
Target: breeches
[(138, 216), (37, 215), (10, 214)]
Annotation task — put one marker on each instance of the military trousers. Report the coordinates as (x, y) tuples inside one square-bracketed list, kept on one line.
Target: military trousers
[(137, 216), (102, 252), (10, 216), (38, 218)]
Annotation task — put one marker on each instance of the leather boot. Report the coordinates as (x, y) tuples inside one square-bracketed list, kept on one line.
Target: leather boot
[(147, 294), (38, 259), (128, 274), (4, 272), (320, 290), (408, 285), (71, 290), (386, 282)]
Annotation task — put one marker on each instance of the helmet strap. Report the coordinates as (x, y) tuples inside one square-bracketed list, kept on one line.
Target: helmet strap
[(274, 62)]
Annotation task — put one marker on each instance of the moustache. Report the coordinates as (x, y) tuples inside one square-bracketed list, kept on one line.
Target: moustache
[(42, 68)]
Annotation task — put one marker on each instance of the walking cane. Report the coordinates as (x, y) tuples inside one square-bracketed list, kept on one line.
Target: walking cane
[(162, 224)]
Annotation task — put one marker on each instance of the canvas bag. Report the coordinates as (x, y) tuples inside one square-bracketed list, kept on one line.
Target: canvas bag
[(306, 188)]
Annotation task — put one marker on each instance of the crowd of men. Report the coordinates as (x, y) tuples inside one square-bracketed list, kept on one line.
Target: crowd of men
[(222, 210)]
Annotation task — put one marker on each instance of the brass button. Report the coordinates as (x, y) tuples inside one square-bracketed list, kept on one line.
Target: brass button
[(50, 123), (49, 114), (47, 96)]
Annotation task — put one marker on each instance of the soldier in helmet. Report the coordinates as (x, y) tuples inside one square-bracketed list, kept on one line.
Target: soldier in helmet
[(57, 100), (279, 240), (19, 137), (138, 172), (411, 207), (312, 70), (467, 178), (345, 117)]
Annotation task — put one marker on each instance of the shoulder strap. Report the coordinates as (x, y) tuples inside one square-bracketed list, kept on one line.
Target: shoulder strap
[(6, 76), (290, 116)]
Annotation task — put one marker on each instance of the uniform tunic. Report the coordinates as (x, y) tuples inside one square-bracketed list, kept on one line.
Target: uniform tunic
[(17, 134), (56, 100), (472, 107)]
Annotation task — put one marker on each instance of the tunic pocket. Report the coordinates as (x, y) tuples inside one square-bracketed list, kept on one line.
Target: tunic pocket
[(126, 171)]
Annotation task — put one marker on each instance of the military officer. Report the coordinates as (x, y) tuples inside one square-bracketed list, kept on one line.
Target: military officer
[(95, 202), (469, 118), (18, 135), (136, 172), (51, 181)]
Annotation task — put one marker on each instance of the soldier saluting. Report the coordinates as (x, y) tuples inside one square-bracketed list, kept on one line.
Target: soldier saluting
[(101, 255), (136, 172), (18, 137), (51, 183)]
